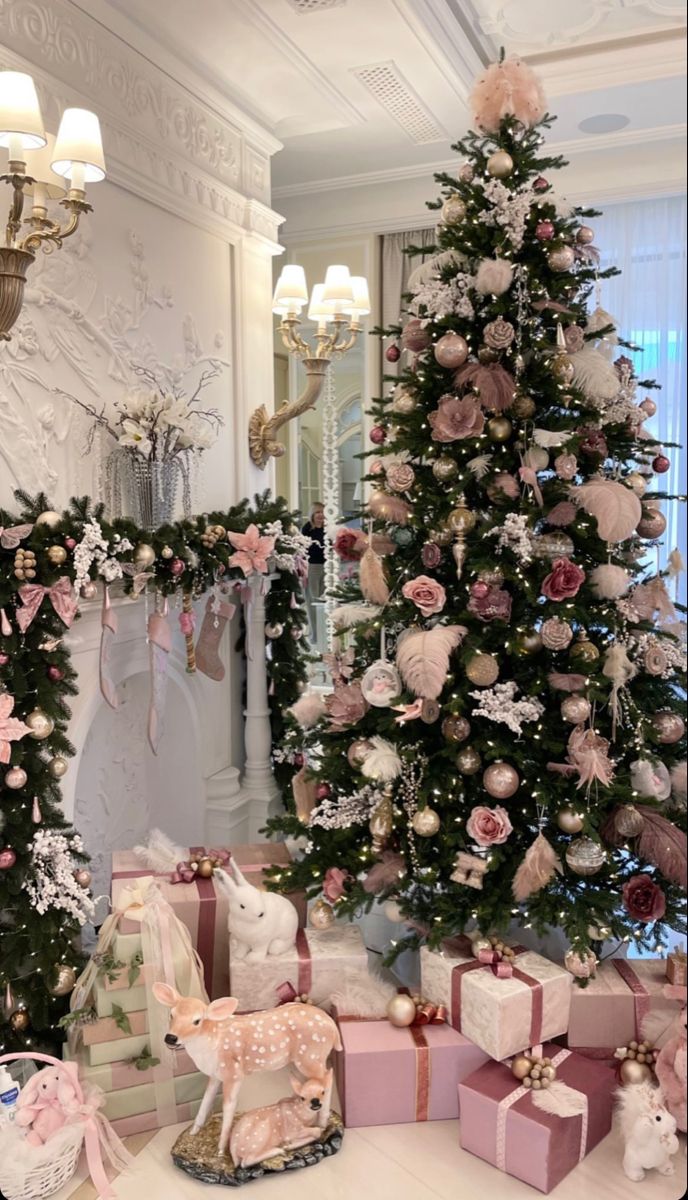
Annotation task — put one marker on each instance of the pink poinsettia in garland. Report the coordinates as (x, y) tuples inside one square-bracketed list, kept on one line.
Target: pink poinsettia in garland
[(252, 551)]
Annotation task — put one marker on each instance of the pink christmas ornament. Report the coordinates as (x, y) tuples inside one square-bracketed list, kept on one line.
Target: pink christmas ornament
[(540, 184), (322, 791), (661, 464), (177, 567), (544, 231), (451, 350), (566, 466), (378, 435), (36, 814), (507, 89), (4, 659), (648, 406), (415, 337), (70, 543), (392, 354), (585, 235), (7, 859), (55, 674)]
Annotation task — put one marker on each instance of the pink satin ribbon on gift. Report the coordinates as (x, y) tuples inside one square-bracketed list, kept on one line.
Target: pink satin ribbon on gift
[(61, 596), (518, 1093), (641, 996), (501, 967), (286, 992), (511, 971)]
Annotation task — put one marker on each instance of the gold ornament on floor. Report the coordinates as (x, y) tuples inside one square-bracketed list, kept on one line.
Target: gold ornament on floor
[(381, 822), (469, 870), (570, 821), (20, 1021), (482, 670), (425, 822), (58, 766), (500, 164), (533, 1072), (583, 650), (57, 555), (401, 1011), (468, 761), (585, 857), (144, 556), (499, 429), (65, 978), (321, 916), (628, 821), (40, 724)]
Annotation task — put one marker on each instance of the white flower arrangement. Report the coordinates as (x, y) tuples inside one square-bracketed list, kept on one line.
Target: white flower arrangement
[(438, 299), (509, 211), (51, 883), (499, 704), (514, 535)]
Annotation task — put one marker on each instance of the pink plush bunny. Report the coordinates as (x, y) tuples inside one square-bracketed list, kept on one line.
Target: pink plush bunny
[(673, 1060), (46, 1102)]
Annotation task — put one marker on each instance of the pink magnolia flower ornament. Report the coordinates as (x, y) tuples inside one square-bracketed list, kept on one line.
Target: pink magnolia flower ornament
[(252, 551), (11, 728)]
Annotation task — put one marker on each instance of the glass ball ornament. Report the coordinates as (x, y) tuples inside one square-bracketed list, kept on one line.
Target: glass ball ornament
[(453, 210), (49, 518), (7, 858), (274, 629), (58, 766), (661, 464), (57, 555), (401, 1011), (321, 915), (415, 336), (582, 964), (461, 519), (570, 821), (585, 857), (575, 709), (652, 524), (15, 778), (65, 978), (466, 173), (540, 184), (55, 674), (358, 752), (378, 435), (500, 164), (544, 231), (528, 643), (430, 711), (648, 406), (323, 791), (561, 258), (20, 1021), (444, 469), (393, 353), (583, 650), (451, 350), (89, 590), (468, 761), (425, 822), (628, 821), (402, 537), (168, 552), (585, 235), (455, 729), (523, 407), (668, 728), (83, 877), (501, 780), (636, 482), (404, 402), (144, 556), (5, 658), (40, 724), (499, 429), (562, 369), (482, 670)]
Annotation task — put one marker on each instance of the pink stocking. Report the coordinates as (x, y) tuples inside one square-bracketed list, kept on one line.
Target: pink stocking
[(218, 612)]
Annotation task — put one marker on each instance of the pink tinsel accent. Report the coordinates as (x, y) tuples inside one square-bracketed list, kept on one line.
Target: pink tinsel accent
[(495, 386)]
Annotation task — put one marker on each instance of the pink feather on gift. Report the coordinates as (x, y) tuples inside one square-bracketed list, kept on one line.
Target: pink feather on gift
[(508, 89), (495, 387)]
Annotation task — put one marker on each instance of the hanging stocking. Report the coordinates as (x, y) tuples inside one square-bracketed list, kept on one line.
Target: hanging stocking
[(159, 642), (108, 622), (218, 611)]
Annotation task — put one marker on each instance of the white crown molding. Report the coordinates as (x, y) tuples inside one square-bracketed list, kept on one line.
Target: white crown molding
[(160, 141), (632, 60), (583, 145), (448, 40)]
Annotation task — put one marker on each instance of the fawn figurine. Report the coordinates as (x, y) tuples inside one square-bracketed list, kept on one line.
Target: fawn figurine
[(287, 1125), (227, 1047), (260, 923)]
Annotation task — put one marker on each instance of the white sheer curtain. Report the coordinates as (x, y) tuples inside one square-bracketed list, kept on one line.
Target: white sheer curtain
[(647, 241), (396, 266)]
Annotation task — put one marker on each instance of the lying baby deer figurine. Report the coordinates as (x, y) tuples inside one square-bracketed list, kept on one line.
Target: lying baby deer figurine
[(286, 1125), (227, 1047)]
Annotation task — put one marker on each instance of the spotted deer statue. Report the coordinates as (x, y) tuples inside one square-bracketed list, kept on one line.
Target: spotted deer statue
[(227, 1047)]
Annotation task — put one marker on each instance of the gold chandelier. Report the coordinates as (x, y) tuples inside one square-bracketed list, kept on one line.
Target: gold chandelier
[(44, 168)]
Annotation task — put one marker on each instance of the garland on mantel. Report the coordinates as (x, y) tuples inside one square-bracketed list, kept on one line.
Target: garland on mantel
[(50, 562)]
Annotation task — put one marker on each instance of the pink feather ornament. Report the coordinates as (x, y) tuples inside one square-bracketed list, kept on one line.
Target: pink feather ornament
[(616, 508), (308, 709), (659, 843), (423, 657), (564, 513), (385, 874), (559, 682), (507, 89), (679, 782), (536, 870), (495, 387), (371, 578), (389, 508), (609, 582)]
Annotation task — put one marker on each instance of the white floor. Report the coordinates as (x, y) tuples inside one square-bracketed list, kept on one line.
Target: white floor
[(387, 1162)]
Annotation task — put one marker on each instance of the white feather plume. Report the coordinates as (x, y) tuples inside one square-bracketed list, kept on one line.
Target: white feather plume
[(160, 853), (430, 269), (494, 276), (609, 582), (423, 657), (560, 1100), (363, 996), (600, 319), (308, 709), (382, 762), (345, 616), (594, 375), (551, 437), (615, 507), (480, 465)]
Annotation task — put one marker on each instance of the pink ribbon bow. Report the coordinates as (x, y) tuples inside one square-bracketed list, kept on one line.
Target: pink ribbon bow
[(61, 596), (499, 966)]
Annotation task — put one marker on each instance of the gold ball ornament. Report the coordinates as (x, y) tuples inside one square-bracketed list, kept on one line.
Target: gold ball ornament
[(583, 650), (404, 402), (15, 778), (561, 258), (668, 727), (89, 590), (444, 469), (455, 729), (585, 857), (499, 429), (468, 761), (65, 978), (585, 235), (453, 210), (321, 915), (144, 556), (49, 518), (500, 164), (401, 1011), (575, 709), (83, 877), (521, 1066), (205, 868), (636, 482), (20, 1021), (487, 355), (40, 724), (631, 1072), (57, 555), (528, 643), (461, 519), (358, 752), (58, 766), (562, 369), (167, 552), (523, 407), (570, 821), (628, 821), (482, 670), (426, 822), (501, 780)]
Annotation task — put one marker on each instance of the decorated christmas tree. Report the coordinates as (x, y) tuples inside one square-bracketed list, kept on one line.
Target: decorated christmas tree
[(504, 737)]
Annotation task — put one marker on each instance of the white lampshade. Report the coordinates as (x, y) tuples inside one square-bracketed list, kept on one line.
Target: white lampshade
[(291, 292), (78, 153), (319, 310), (21, 124), (38, 166), (337, 287), (361, 304)]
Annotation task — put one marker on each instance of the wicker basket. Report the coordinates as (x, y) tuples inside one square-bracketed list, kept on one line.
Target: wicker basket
[(54, 1167)]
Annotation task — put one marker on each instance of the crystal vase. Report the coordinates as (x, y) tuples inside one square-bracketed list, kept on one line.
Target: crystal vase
[(143, 490)]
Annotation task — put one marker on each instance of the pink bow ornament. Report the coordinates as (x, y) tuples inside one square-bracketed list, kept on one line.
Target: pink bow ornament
[(61, 596)]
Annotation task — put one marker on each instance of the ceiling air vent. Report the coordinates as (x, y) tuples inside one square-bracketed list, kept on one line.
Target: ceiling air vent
[(385, 82), (308, 6)]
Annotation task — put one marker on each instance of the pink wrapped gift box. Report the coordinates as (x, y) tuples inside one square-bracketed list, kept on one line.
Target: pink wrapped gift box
[(501, 1124), (143, 1122), (117, 1076), (500, 1015), (609, 1012), (201, 905), (318, 965), (676, 968), (390, 1076)]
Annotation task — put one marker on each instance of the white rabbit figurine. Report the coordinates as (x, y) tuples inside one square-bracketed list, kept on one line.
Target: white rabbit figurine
[(648, 1129), (260, 923)]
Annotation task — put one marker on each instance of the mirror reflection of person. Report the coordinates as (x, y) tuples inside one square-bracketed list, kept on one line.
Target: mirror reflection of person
[(315, 530)]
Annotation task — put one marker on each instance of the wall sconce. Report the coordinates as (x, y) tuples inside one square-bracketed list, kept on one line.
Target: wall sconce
[(38, 166), (337, 307)]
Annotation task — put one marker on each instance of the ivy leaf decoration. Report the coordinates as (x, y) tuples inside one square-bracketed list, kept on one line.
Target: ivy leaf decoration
[(135, 967), (145, 1061), (121, 1019), (109, 966), (80, 1016)]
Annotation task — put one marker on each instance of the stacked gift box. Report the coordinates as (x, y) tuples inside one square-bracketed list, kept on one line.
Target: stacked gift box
[(609, 1011), (318, 965)]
